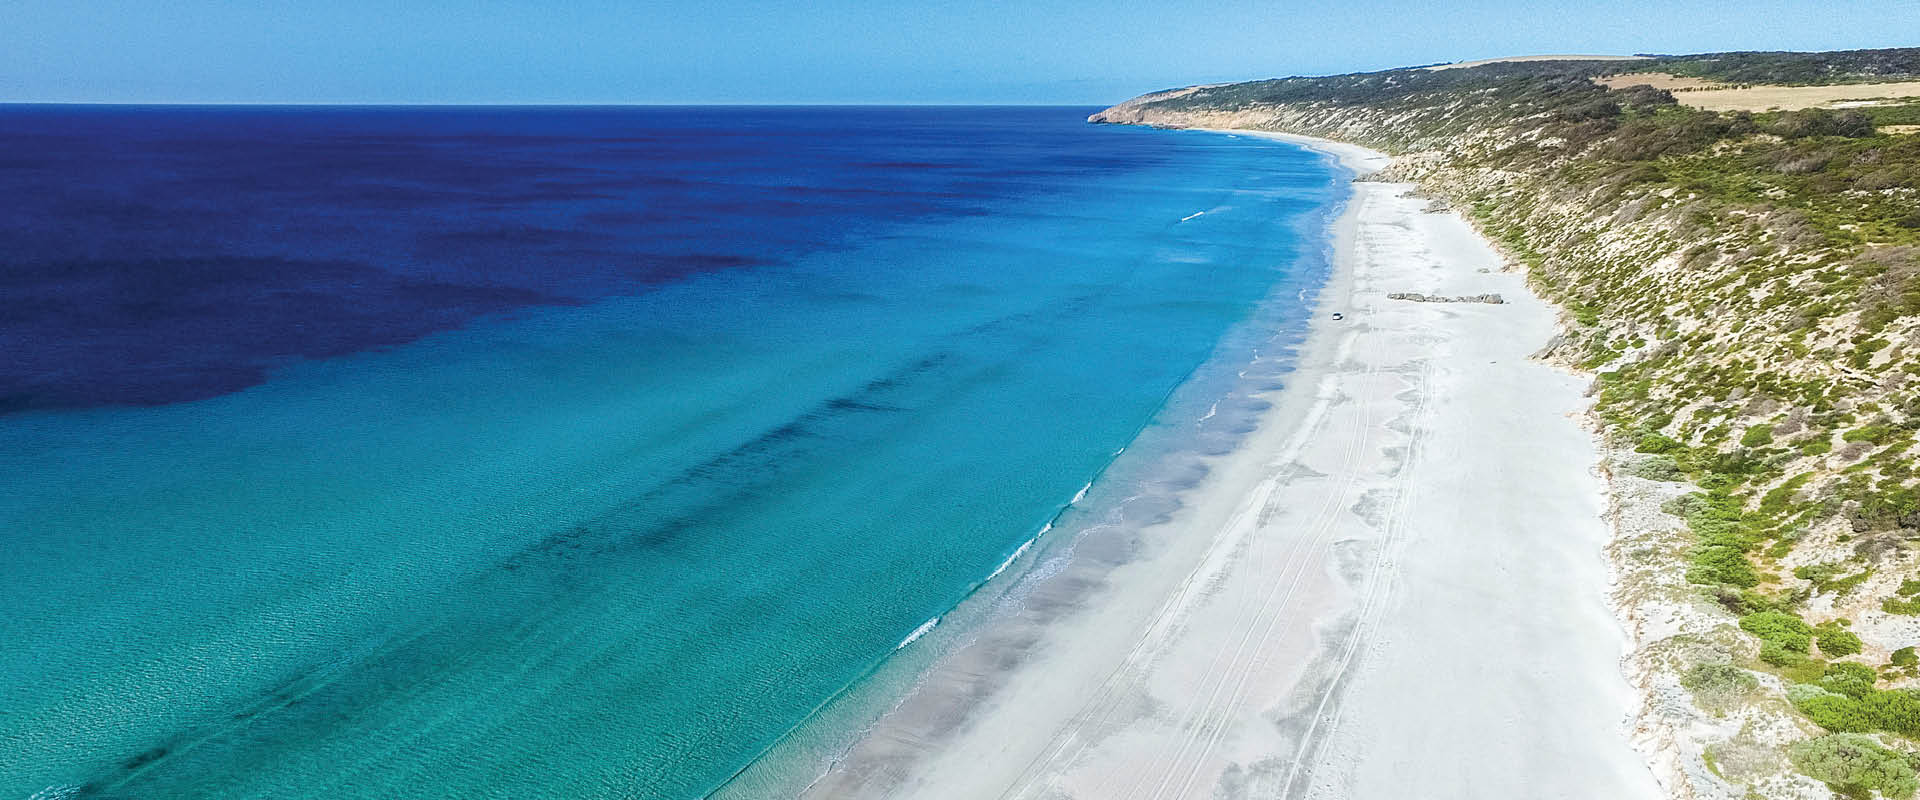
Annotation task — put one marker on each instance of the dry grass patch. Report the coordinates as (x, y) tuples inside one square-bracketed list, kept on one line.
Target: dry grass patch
[(1714, 96), (1788, 98)]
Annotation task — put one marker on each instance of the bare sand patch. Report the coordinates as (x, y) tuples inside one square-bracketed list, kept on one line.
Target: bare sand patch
[(1519, 59), (1657, 80)]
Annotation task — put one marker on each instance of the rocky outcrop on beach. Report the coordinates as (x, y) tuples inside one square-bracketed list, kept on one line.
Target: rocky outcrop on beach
[(1417, 297)]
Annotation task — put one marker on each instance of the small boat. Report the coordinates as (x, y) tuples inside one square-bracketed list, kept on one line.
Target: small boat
[(1337, 315)]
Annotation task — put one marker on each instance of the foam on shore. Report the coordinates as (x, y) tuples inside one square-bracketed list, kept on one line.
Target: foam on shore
[(918, 632)]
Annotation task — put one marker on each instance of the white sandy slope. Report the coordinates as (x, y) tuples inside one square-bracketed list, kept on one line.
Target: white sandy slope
[(1522, 59), (1395, 587)]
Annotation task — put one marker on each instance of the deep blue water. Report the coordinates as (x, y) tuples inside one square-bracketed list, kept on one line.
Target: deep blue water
[(156, 256), (563, 452)]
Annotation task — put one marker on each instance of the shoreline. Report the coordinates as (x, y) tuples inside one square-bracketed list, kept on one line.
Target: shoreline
[(1260, 640), (1358, 160)]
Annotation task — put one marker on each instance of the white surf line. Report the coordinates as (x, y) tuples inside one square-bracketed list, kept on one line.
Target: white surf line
[(919, 632), (1019, 551)]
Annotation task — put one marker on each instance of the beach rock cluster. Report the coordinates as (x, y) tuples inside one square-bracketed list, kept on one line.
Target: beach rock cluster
[(1417, 297)]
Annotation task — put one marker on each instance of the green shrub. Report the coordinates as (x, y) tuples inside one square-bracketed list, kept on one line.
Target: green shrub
[(1896, 710), (1819, 573), (1904, 657), (1656, 443), (1778, 627), (1836, 712), (1893, 606), (1719, 526), (1718, 685), (1795, 667), (1757, 436), (1846, 584), (1780, 497), (1855, 765), (1657, 468), (1843, 698), (1722, 564), (1891, 505), (1835, 641), (1831, 576), (1867, 433), (1737, 465), (1745, 601), (1853, 680)]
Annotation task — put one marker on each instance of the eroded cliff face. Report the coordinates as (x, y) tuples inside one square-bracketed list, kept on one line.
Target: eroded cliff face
[(1755, 420)]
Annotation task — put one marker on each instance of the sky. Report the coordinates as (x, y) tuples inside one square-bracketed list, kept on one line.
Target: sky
[(1074, 52)]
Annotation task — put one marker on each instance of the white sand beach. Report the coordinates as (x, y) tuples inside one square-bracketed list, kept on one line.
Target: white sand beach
[(1394, 588)]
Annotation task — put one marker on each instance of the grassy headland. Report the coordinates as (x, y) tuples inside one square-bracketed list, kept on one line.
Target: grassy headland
[(1745, 287)]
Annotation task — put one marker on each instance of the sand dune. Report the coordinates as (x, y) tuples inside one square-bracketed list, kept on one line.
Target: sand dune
[(1517, 59)]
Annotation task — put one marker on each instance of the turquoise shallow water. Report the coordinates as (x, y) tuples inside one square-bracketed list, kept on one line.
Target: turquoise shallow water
[(618, 546)]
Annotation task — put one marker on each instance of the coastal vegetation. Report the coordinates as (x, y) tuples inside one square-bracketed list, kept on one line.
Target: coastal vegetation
[(1745, 287), (1856, 766)]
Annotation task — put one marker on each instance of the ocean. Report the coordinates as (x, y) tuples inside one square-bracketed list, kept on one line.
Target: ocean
[(580, 452)]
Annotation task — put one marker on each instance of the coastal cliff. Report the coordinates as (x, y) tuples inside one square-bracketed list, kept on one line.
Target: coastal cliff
[(1744, 288)]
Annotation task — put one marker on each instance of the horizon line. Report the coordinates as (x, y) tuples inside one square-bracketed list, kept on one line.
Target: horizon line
[(351, 104)]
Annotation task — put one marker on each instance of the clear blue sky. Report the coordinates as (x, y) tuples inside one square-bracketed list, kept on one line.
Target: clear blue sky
[(830, 51)]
